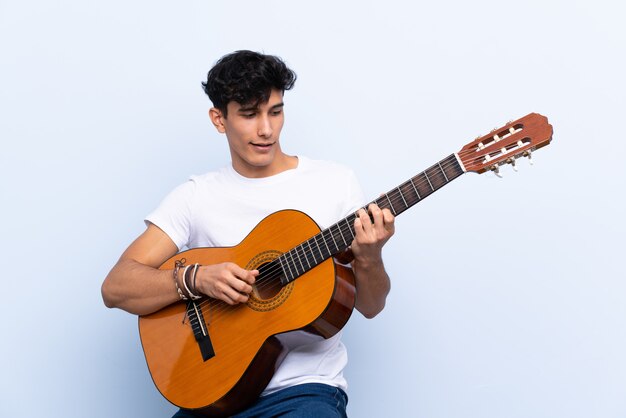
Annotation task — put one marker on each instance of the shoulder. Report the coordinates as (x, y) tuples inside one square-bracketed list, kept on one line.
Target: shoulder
[(325, 166), (208, 178), (195, 185)]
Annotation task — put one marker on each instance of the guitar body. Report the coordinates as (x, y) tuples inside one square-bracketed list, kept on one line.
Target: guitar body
[(246, 351)]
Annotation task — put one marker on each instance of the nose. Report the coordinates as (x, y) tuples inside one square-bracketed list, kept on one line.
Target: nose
[(264, 127)]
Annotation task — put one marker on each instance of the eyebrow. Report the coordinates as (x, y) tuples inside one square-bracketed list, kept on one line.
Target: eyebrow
[(256, 107)]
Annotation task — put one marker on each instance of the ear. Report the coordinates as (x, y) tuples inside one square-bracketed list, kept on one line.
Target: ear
[(218, 119)]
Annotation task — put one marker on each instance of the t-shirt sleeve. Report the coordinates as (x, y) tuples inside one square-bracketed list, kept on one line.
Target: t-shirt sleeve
[(174, 215), (354, 194)]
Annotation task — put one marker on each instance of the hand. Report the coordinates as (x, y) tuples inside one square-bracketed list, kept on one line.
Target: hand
[(370, 237), (226, 281)]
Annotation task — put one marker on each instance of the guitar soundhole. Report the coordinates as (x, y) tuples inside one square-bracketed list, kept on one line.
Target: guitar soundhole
[(266, 286), (268, 293)]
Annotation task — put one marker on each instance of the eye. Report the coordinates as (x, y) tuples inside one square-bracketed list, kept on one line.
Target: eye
[(277, 112), (249, 115)]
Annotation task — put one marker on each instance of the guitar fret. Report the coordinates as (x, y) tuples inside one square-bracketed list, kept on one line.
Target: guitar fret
[(336, 230), (286, 258), (454, 167), (333, 238), (293, 276), (390, 204), (408, 193), (342, 237), (318, 247), (326, 244), (283, 267), (313, 255), (309, 254), (296, 259), (443, 172), (438, 177), (293, 263), (306, 255), (349, 225), (300, 259), (415, 188), (431, 185), (403, 199)]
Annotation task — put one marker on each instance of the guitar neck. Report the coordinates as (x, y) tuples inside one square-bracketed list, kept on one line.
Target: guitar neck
[(338, 237)]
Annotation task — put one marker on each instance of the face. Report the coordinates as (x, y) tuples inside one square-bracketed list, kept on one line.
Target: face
[(253, 136)]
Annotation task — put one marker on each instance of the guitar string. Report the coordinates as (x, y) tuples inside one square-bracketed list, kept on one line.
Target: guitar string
[(395, 196), (396, 199), (345, 226), (345, 229), (217, 312), (272, 275)]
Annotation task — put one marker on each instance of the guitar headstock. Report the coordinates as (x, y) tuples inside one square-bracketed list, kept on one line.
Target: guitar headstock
[(503, 145)]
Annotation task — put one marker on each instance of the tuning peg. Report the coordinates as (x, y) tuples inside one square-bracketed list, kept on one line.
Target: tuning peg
[(529, 155), (512, 162), (496, 170)]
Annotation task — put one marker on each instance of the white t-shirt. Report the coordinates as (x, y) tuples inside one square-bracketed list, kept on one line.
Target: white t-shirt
[(220, 208)]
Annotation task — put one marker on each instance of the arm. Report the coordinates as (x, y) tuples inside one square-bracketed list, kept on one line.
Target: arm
[(372, 281), (136, 285)]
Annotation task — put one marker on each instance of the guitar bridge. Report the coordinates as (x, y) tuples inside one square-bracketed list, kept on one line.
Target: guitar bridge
[(200, 330)]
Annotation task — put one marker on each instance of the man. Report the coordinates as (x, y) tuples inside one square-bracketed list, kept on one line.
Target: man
[(222, 207)]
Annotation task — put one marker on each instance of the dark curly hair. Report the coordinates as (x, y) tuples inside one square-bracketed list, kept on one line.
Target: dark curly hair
[(246, 77)]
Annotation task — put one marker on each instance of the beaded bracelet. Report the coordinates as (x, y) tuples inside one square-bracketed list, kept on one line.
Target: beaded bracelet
[(185, 277), (178, 265)]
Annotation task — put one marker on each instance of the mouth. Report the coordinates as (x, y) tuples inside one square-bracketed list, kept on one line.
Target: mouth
[(262, 146)]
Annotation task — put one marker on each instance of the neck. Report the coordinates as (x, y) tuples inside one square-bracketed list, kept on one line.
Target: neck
[(282, 162)]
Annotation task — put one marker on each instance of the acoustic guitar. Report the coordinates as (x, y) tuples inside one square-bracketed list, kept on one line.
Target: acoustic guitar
[(216, 358)]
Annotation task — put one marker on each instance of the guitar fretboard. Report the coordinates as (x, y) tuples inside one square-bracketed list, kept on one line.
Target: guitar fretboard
[(338, 237)]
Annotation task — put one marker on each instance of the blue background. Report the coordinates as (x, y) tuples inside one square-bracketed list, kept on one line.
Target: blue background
[(508, 294)]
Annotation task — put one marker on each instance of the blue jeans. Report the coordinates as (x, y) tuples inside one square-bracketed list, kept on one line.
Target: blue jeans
[(310, 400)]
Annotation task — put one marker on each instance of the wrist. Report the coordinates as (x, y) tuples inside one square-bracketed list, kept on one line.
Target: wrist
[(367, 262), (189, 281), (176, 275)]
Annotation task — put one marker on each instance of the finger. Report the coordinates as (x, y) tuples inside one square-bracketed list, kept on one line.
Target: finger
[(377, 214), (234, 296), (223, 292), (243, 274), (362, 215), (379, 222), (241, 286), (240, 297), (241, 280), (228, 300), (388, 216), (358, 222), (388, 219), (366, 222), (235, 299)]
